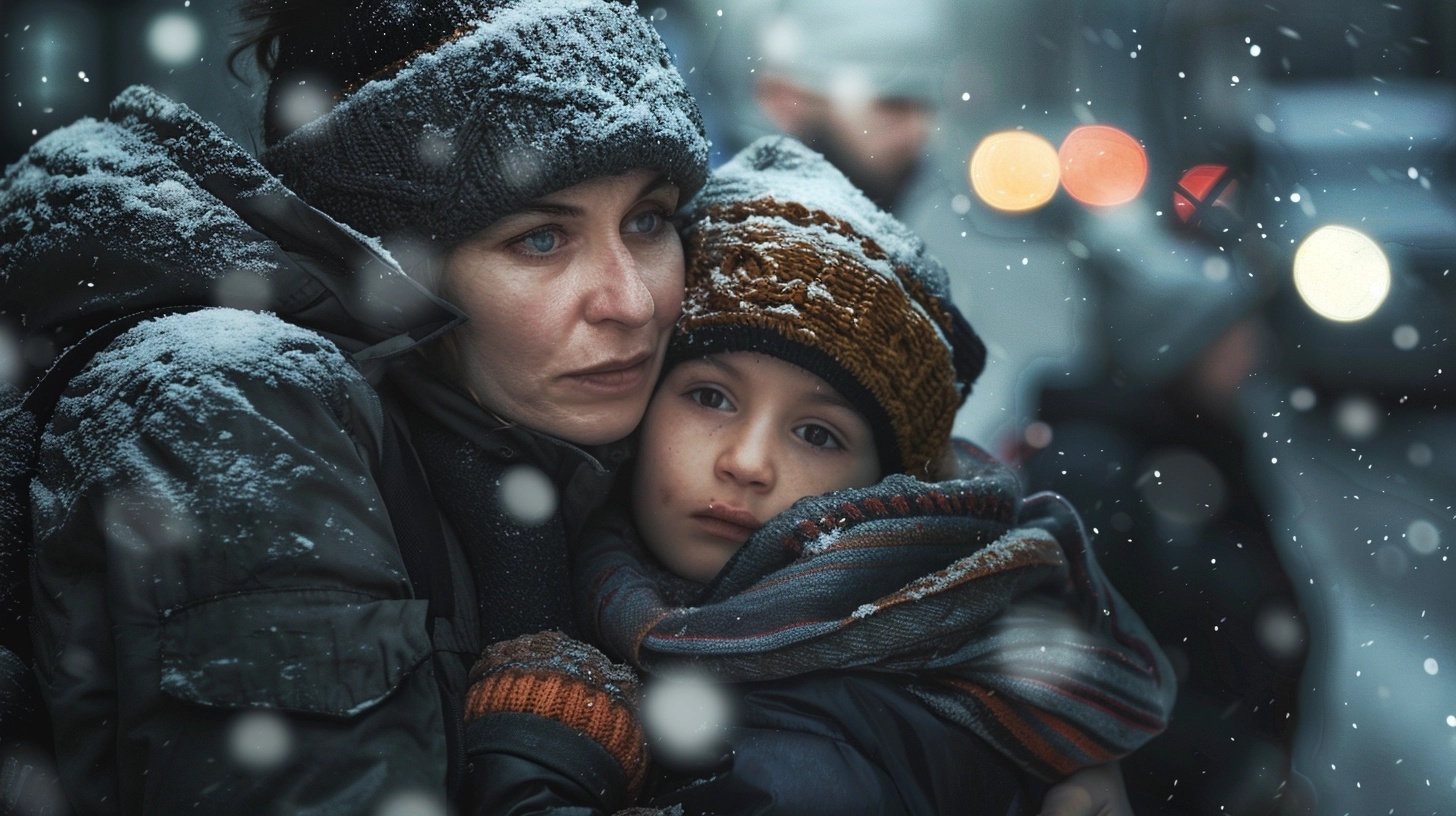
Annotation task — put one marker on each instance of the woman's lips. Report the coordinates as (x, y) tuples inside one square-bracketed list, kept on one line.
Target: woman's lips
[(728, 523), (615, 377)]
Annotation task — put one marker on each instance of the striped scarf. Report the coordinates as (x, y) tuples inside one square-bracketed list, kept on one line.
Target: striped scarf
[(993, 601)]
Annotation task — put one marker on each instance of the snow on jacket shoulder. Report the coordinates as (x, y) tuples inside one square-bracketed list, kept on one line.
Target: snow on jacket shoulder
[(215, 571), (210, 543)]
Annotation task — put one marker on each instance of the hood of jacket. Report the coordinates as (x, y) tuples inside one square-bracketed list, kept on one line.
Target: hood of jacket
[(153, 207)]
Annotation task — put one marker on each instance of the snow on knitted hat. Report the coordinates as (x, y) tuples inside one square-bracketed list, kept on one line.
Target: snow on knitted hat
[(528, 97), (786, 258)]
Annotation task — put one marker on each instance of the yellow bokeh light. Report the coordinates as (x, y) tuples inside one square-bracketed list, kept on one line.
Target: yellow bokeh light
[(1014, 171), (1341, 273)]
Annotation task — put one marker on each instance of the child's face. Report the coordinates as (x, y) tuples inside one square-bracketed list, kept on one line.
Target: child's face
[(730, 441)]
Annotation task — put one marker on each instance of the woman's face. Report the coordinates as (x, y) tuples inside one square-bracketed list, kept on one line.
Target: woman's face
[(571, 301), (732, 440)]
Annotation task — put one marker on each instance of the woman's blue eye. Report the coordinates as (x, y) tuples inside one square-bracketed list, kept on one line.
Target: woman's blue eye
[(543, 241), (818, 436), (646, 222)]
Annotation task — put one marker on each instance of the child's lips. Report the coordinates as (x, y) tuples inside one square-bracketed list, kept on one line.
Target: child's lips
[(729, 523)]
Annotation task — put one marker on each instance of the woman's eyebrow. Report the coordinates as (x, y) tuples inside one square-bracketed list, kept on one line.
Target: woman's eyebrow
[(654, 184), (550, 208), (564, 210)]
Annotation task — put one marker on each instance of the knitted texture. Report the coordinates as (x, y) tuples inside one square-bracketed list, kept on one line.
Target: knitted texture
[(529, 97), (554, 676), (787, 258), (992, 601)]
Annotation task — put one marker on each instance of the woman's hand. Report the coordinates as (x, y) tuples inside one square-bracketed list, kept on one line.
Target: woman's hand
[(1095, 791)]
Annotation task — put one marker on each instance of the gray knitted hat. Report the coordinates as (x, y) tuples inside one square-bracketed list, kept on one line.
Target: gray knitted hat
[(532, 97)]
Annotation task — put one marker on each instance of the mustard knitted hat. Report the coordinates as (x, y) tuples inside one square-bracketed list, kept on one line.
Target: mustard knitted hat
[(492, 104), (786, 258)]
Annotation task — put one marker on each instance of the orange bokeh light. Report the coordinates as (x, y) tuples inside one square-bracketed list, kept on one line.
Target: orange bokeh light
[(1014, 171), (1102, 166)]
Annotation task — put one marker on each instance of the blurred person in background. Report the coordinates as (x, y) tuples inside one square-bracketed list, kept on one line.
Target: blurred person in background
[(895, 95)]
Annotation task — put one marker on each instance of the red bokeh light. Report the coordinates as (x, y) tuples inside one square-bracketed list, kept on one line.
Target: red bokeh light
[(1207, 194)]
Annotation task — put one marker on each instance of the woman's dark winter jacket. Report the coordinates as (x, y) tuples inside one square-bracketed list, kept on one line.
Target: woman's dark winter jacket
[(902, 648), (223, 619)]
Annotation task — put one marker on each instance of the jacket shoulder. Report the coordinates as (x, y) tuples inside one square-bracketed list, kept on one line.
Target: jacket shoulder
[(186, 380), (94, 214)]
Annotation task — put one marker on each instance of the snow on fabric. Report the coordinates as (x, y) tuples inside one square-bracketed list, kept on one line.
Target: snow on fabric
[(784, 169), (160, 387), (97, 178), (538, 96)]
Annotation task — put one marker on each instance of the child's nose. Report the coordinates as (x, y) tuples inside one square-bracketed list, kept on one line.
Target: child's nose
[(747, 457)]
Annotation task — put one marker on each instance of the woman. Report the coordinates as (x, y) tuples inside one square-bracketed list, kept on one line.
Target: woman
[(251, 596), (218, 554)]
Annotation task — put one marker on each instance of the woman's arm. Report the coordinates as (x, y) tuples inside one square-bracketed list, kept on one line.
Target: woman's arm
[(224, 621)]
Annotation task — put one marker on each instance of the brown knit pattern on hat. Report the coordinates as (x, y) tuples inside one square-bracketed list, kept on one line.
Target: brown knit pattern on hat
[(554, 676), (754, 263)]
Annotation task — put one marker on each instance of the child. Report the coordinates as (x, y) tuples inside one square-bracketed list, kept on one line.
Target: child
[(893, 645)]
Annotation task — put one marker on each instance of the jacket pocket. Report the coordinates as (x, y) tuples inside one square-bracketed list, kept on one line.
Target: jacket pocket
[(321, 652)]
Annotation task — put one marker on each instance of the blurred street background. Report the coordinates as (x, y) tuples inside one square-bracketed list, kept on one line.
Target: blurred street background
[(1209, 245)]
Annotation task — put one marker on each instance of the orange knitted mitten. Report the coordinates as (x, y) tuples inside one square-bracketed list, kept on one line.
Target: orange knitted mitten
[(554, 676)]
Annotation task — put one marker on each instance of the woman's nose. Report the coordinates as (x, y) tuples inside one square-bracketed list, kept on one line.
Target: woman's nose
[(618, 290)]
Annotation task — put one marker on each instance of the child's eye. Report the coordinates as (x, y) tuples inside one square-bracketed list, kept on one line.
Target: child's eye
[(710, 398), (818, 436)]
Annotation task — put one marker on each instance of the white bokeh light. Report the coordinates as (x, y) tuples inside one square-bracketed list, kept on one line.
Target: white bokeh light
[(527, 495), (1279, 631), (260, 740), (411, 803), (143, 521), (685, 717), (436, 148), (11, 361), (174, 38), (1431, 666), (1183, 486), (1216, 268), (1405, 337), (1357, 417), (522, 166), (1420, 454), (302, 103), (242, 289), (1423, 537), (1302, 398), (1341, 273)]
